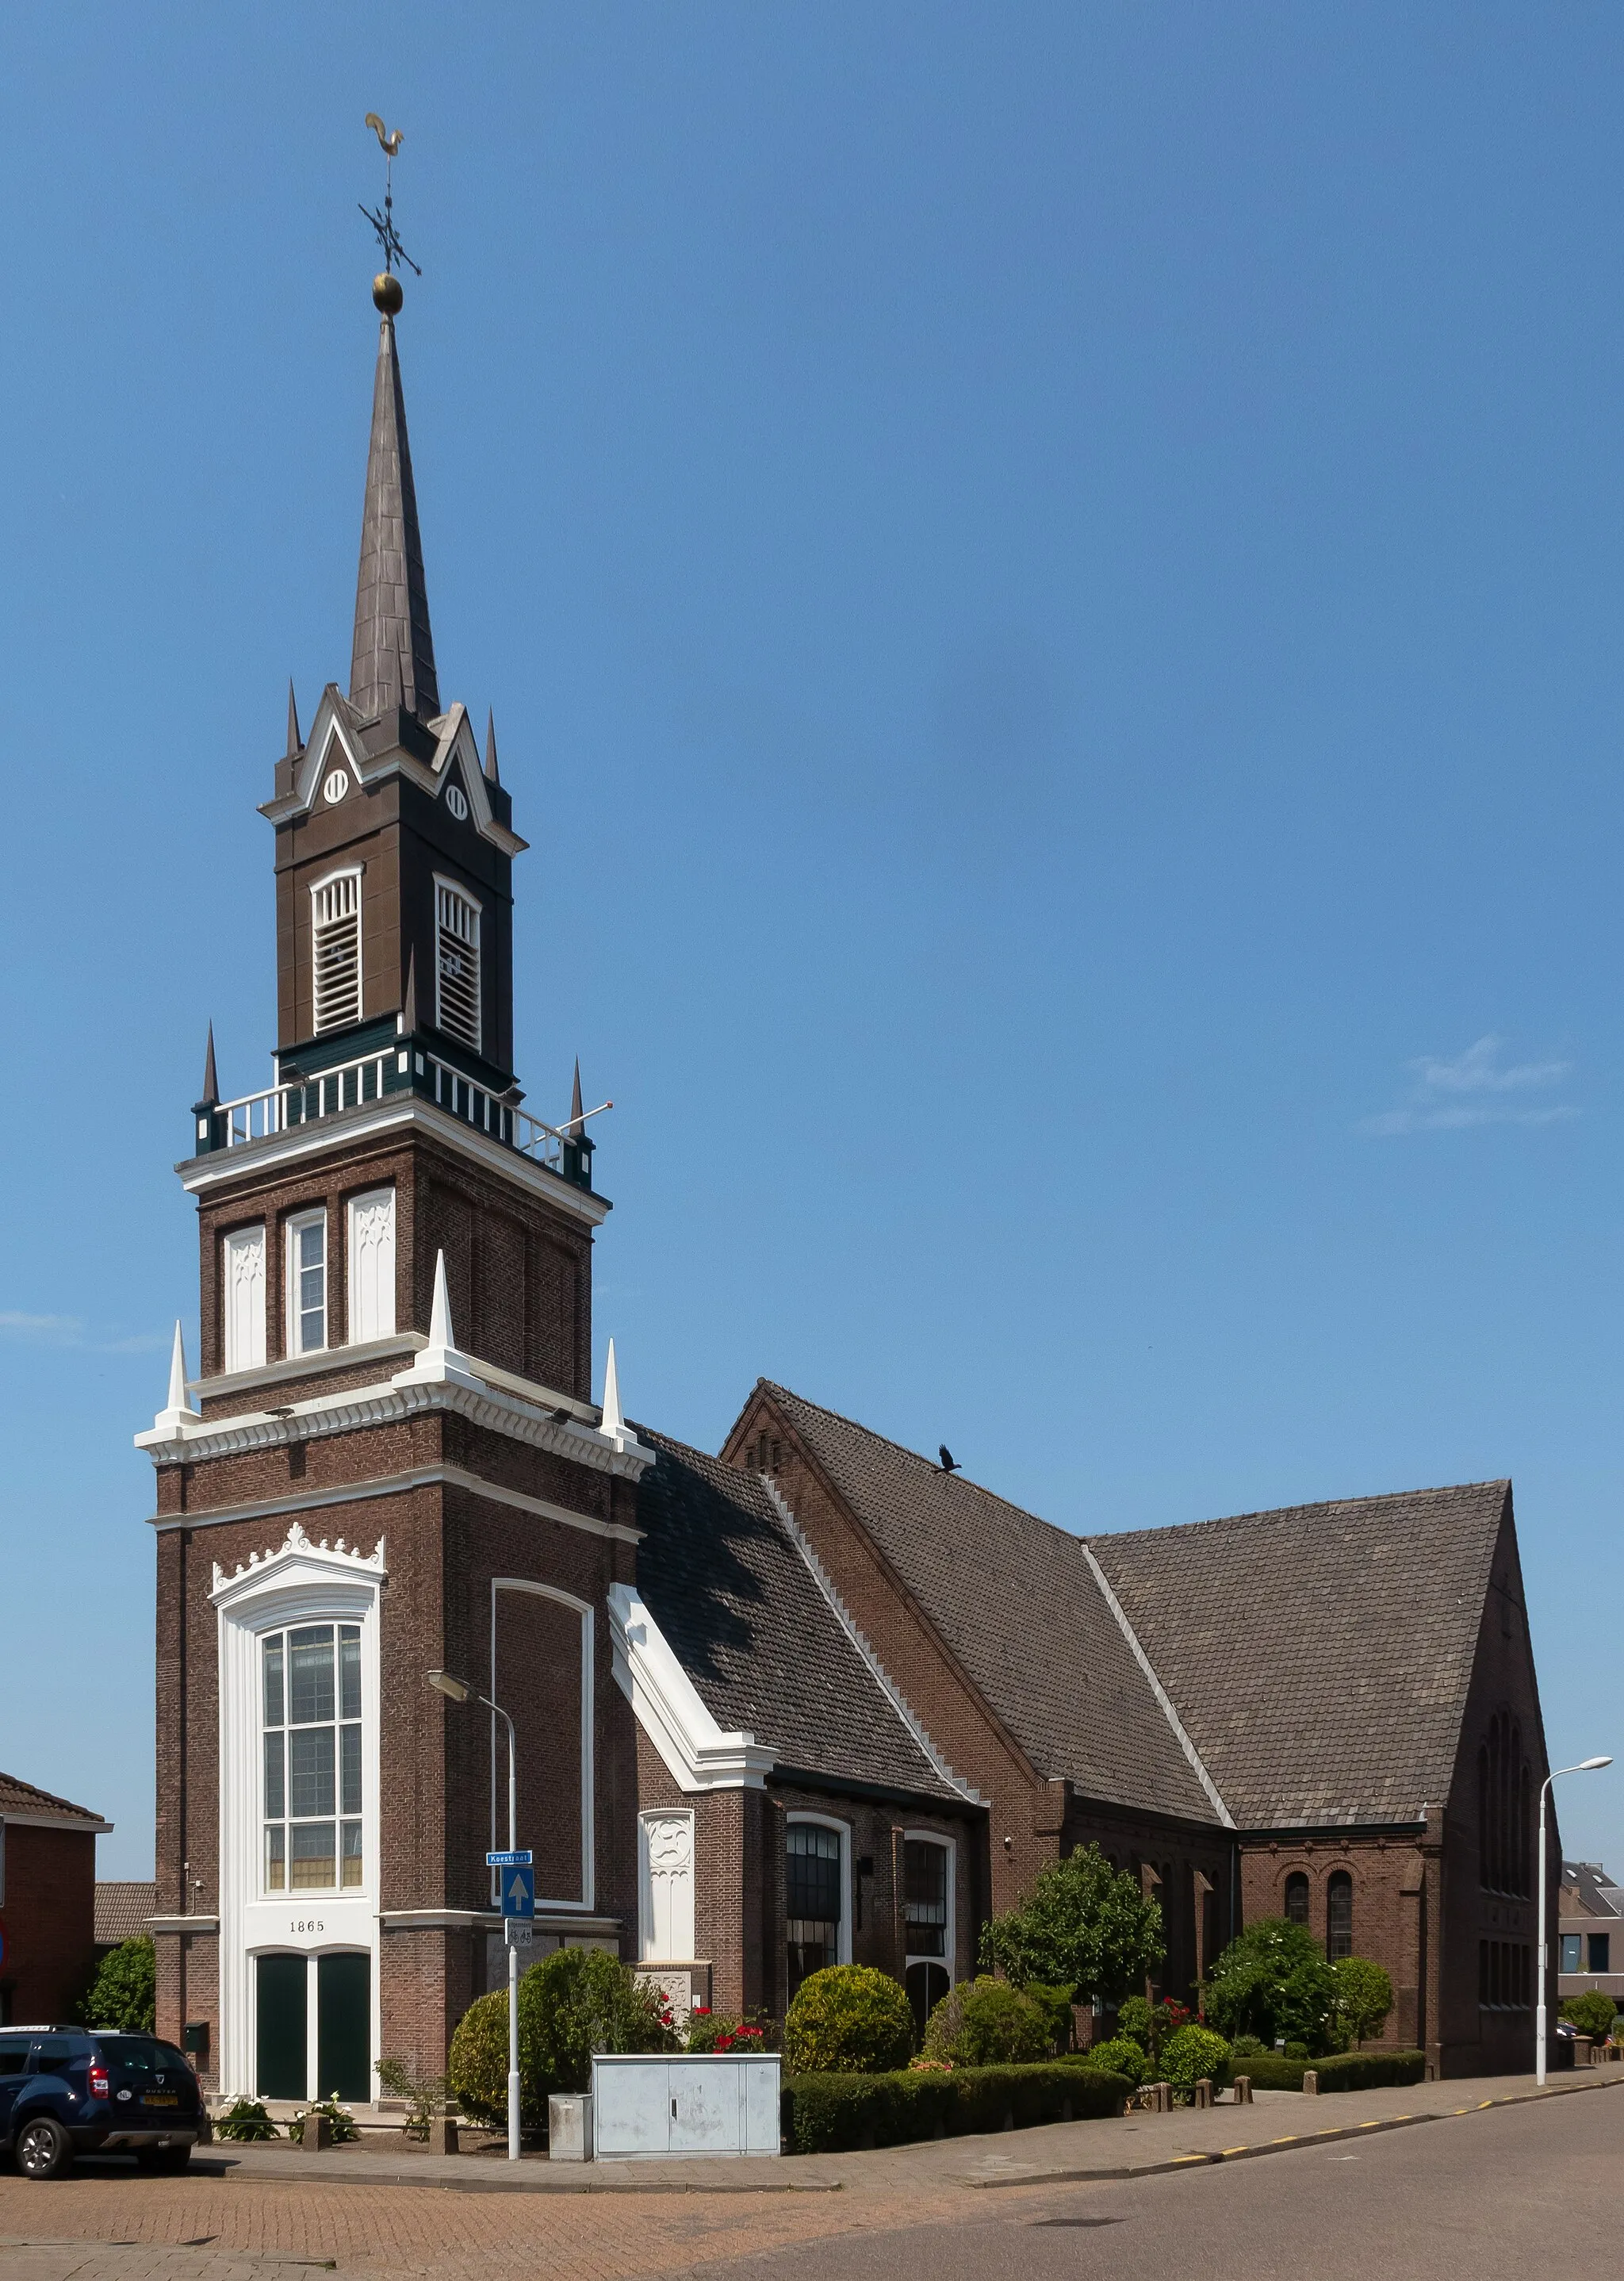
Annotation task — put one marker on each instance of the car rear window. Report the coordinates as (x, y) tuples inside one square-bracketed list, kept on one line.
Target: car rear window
[(139, 2059), (52, 2053), (13, 2054)]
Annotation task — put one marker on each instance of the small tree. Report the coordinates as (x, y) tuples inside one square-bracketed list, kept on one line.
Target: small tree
[(1084, 1926), (1590, 2012), (1273, 1982), (1364, 1997), (123, 1995)]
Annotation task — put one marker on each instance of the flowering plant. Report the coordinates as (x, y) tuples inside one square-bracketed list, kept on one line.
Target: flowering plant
[(727, 2032)]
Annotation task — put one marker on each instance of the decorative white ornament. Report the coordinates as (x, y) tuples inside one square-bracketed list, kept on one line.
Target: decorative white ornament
[(456, 800), (334, 788)]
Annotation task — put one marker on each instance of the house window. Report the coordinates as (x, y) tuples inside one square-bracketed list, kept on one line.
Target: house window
[(457, 963), (372, 1265), (1572, 1946), (312, 1698), (1601, 1946), (307, 1283), (927, 1917), (1296, 1898), (243, 1297), (1339, 1915), (815, 1883), (335, 930)]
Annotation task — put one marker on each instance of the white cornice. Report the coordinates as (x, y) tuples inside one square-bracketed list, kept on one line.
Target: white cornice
[(386, 1485), (297, 1561), (1162, 1696), (183, 1924), (396, 1111), (698, 1754), (848, 1624), (305, 1366)]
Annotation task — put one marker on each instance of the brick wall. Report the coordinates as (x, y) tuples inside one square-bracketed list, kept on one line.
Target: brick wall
[(50, 1920)]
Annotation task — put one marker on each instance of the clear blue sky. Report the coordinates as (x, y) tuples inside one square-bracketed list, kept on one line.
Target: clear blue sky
[(1052, 580)]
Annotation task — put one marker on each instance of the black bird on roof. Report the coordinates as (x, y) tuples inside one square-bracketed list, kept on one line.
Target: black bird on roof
[(949, 1463)]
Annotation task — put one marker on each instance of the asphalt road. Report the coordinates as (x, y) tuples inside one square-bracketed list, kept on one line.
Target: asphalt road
[(1524, 2191)]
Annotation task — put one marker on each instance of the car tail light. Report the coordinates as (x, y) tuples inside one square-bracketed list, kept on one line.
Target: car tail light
[(100, 2088)]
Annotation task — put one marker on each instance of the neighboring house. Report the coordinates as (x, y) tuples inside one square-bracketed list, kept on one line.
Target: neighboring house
[(812, 1700), (1591, 1940), (47, 1902), (124, 1911)]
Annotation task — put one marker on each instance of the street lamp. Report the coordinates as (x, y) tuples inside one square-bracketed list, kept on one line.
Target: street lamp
[(1584, 1767), (458, 1690)]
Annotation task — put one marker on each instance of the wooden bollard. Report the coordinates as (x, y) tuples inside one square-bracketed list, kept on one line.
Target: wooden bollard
[(1243, 2091), (1203, 2092)]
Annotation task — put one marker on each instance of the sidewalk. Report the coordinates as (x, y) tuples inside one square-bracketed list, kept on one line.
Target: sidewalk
[(1130, 2146)]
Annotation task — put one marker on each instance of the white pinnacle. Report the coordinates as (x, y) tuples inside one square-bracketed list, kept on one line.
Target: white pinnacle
[(177, 1369), (439, 1314), (613, 1422), (177, 1413)]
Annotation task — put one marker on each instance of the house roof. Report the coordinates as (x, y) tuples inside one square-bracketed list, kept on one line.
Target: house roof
[(1592, 1892), (122, 1909), (743, 1613), (1319, 1657), (21, 1801), (1013, 1599)]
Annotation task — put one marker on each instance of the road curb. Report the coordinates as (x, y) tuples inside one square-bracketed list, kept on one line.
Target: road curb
[(1291, 2142)]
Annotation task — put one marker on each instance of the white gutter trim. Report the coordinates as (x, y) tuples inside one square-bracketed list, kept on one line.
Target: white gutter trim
[(671, 1709), (1158, 1690)]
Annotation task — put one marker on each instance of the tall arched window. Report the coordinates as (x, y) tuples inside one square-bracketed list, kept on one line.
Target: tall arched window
[(1504, 1799), (1339, 1914), (1296, 1898), (336, 947)]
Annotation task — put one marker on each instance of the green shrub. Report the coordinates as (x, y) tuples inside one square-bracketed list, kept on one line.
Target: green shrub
[(123, 1995), (1056, 2006), (339, 2119), (1149, 2025), (245, 2118), (1345, 2071), (1246, 2047), (831, 2114), (424, 2095), (574, 2003), (1273, 1982), (1084, 1927), (1364, 1996), (848, 2020), (1119, 2055), (1192, 2052), (985, 2023), (1590, 2012)]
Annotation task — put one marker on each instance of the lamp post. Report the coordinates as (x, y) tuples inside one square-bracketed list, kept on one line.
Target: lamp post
[(458, 1690), (1584, 1767)]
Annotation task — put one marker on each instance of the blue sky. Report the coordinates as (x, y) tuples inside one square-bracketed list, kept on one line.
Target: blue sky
[(1051, 583)]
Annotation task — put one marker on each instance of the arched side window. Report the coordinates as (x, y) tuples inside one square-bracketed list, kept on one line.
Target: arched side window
[(1339, 1914), (1504, 1795), (927, 1917), (335, 951), (456, 964), (817, 1909), (1296, 1898)]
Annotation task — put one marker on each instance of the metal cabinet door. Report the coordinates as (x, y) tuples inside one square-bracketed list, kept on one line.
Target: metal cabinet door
[(631, 2109), (707, 2110)]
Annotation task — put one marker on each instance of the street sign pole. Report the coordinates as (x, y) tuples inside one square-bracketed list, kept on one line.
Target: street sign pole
[(518, 1900)]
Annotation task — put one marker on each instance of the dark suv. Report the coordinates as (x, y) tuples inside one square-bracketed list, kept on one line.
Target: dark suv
[(77, 2091)]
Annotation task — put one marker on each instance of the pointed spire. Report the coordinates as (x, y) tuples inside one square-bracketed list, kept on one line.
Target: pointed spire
[(408, 1016), (211, 1083), (177, 1413), (439, 1363), (490, 768), (392, 663), (177, 1369), (295, 744), (577, 1122), (613, 1421), (439, 1313)]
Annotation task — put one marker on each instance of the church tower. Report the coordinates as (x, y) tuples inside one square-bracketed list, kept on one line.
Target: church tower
[(390, 1461)]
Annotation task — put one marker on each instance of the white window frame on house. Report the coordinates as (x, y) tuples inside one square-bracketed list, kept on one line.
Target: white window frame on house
[(242, 1276), (949, 1846), (457, 915), (843, 1946), (336, 990), (498, 1740), (369, 1219), (650, 1950), (342, 1818), (294, 1341)]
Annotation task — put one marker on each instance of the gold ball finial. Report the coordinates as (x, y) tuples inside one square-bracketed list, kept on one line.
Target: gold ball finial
[(386, 292)]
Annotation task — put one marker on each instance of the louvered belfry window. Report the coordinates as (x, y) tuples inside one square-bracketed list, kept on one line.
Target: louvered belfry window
[(336, 919), (457, 964)]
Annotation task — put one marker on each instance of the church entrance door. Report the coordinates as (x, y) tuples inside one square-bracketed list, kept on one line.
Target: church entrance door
[(344, 2034), (281, 1994)]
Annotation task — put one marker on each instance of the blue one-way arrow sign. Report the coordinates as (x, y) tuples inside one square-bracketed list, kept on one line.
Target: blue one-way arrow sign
[(519, 1892), (520, 1859)]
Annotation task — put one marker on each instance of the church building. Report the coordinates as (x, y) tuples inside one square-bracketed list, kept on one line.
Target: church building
[(812, 1699)]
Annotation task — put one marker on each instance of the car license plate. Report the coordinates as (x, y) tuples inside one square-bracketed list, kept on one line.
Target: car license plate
[(162, 2099)]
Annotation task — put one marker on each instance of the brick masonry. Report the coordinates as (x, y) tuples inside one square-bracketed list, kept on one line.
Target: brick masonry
[(50, 1921)]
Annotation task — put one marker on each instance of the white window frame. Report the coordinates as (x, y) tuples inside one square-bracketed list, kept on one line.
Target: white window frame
[(384, 1327), (843, 1947), (291, 1342), (647, 1953), (949, 1959), (287, 1895), (498, 1740), (351, 873), (453, 890), (238, 1242)]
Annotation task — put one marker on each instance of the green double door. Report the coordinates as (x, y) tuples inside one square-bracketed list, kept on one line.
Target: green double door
[(344, 2026)]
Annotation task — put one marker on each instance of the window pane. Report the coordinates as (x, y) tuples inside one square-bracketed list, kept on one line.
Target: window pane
[(310, 1674), (275, 1862), (1600, 1946), (313, 1856), (812, 1866), (310, 1766), (349, 1670), (925, 1897), (275, 1802), (1296, 1898), (351, 1853), (272, 1681), (1570, 1951), (1338, 1916), (349, 1763)]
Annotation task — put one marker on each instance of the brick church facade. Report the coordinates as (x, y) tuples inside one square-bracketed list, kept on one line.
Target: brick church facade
[(812, 1699)]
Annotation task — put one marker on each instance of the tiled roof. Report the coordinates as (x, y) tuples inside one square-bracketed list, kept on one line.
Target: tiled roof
[(122, 1910), (1013, 1599), (1587, 1885), (18, 1797), (746, 1619), (1318, 1657)]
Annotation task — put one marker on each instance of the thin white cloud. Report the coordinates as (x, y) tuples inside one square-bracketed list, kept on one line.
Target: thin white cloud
[(69, 1331), (1437, 1082)]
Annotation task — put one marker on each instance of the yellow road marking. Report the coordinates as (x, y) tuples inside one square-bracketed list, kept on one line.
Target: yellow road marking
[(1237, 2150)]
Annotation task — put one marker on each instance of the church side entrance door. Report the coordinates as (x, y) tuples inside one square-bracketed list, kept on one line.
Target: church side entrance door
[(344, 2032), (281, 1998)]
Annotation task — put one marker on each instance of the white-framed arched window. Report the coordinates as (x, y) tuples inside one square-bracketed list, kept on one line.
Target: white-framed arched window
[(928, 1861), (457, 1007), (541, 1672), (336, 950), (817, 1894)]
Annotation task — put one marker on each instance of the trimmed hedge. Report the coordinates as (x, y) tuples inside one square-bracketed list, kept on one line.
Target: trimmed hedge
[(832, 2113), (1346, 2071)]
